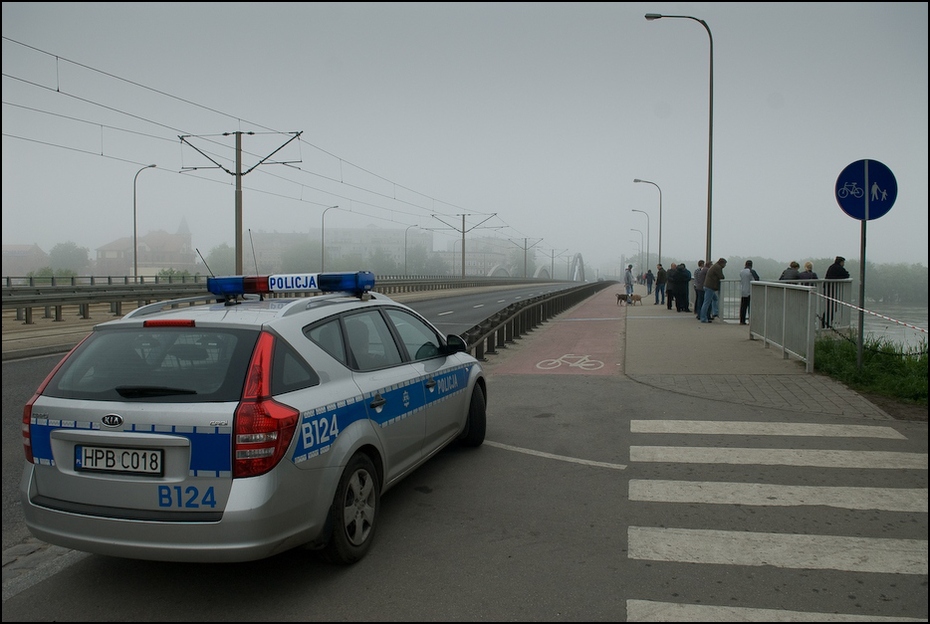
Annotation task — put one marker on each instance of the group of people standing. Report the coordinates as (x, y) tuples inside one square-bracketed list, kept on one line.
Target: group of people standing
[(671, 286), (793, 272)]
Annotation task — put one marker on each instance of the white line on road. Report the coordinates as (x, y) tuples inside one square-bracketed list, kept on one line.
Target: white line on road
[(573, 460), (779, 457), (722, 427), (769, 495), (651, 611), (781, 550)]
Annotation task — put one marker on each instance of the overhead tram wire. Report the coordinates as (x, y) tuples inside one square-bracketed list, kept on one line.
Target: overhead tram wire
[(196, 105), (240, 120)]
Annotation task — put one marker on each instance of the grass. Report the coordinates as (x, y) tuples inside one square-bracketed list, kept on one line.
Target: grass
[(888, 369)]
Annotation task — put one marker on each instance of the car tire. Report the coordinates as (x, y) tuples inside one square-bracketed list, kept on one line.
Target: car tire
[(354, 514), (477, 421)]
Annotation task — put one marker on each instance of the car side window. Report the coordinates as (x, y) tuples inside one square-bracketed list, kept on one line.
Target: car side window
[(370, 341), (328, 336), (289, 371), (421, 341)]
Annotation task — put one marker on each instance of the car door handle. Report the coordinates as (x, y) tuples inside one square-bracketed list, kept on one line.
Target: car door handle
[(431, 383), (377, 402)]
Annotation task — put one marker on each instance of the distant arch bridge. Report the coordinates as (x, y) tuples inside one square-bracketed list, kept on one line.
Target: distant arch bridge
[(575, 270)]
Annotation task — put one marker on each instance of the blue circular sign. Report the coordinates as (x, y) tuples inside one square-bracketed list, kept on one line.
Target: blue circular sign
[(866, 187)]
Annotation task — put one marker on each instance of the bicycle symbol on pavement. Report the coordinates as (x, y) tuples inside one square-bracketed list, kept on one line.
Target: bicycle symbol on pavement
[(850, 188), (569, 359)]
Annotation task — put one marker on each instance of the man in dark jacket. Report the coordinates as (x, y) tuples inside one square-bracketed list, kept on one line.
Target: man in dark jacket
[(671, 285), (836, 271), (661, 278), (683, 285), (710, 307)]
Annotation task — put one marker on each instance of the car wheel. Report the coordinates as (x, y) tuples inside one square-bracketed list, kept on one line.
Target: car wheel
[(477, 421), (354, 513)]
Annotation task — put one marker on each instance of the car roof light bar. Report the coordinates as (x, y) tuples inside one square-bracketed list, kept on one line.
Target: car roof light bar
[(356, 282)]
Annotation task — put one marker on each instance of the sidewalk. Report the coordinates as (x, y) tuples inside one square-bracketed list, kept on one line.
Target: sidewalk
[(646, 343), (674, 352)]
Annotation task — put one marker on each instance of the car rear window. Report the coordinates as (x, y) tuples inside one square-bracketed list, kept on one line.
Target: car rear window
[(164, 364)]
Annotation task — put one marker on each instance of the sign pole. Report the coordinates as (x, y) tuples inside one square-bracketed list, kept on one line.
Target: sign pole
[(862, 272), (856, 202)]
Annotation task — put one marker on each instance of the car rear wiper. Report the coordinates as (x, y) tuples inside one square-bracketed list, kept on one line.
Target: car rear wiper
[(135, 392)]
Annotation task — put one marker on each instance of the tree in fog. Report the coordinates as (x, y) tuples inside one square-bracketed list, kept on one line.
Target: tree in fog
[(422, 262), (381, 262), (522, 263), (301, 258), (221, 260), (348, 262), (69, 258)]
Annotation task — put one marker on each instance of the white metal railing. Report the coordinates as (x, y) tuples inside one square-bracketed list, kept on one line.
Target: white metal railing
[(790, 315)]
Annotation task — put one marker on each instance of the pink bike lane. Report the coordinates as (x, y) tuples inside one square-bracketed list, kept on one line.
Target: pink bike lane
[(585, 340)]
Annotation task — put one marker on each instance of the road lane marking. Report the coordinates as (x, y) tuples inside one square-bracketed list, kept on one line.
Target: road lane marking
[(653, 611), (769, 495), (779, 457), (722, 427), (781, 550), (573, 460)]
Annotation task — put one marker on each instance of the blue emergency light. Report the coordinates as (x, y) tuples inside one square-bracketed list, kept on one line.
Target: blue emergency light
[(356, 283)]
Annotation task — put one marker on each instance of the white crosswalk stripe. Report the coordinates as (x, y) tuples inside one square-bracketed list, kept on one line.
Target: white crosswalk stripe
[(856, 554)]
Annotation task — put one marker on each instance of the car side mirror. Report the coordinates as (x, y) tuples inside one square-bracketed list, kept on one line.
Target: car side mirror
[(455, 344)]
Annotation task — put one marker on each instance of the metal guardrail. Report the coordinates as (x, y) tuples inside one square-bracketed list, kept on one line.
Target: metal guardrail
[(482, 339), (522, 317), (53, 294)]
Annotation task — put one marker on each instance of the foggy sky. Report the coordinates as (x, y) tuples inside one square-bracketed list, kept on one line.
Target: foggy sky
[(531, 119)]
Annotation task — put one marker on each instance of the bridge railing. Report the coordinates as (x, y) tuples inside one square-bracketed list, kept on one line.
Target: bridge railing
[(55, 295), (790, 315), (51, 294)]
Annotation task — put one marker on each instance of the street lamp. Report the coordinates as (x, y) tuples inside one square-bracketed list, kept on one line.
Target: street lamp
[(640, 250), (637, 180), (322, 239), (135, 235), (710, 124), (648, 236), (641, 265), (405, 247)]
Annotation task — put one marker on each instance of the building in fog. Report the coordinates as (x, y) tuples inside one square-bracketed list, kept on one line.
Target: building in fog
[(158, 251), (20, 260)]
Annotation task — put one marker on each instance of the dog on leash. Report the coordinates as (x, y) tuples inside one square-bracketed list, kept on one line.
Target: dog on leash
[(636, 298)]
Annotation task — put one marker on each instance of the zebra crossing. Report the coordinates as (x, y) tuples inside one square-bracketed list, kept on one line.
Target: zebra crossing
[(773, 550)]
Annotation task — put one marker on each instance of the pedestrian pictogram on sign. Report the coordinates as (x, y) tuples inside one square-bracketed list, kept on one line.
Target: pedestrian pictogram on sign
[(866, 190)]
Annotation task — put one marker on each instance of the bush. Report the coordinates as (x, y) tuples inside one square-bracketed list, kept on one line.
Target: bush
[(888, 369)]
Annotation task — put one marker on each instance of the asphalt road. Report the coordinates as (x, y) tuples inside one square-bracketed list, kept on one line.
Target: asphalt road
[(599, 495)]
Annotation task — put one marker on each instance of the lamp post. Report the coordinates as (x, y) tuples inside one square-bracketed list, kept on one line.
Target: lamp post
[(637, 180), (405, 247), (135, 235), (322, 238), (710, 124), (640, 249), (641, 265), (648, 236)]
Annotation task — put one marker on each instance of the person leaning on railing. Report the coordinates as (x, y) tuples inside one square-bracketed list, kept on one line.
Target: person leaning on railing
[(836, 271)]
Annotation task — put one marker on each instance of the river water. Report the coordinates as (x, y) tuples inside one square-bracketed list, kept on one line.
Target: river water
[(901, 330)]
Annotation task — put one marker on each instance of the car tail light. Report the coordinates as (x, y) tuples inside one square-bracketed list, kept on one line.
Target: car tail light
[(27, 410), (262, 428)]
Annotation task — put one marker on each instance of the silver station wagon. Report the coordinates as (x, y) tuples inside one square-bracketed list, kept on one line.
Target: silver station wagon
[(272, 415)]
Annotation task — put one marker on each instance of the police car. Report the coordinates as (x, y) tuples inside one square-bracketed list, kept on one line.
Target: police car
[(272, 415)]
